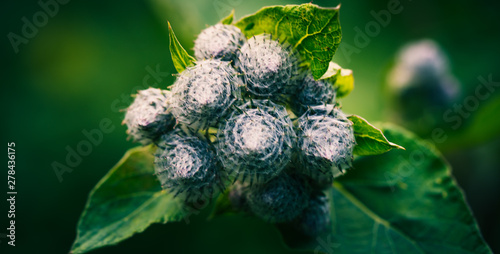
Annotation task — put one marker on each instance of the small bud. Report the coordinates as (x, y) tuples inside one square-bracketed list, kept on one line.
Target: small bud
[(270, 69), (313, 93), (326, 143), (256, 141), (219, 42), (147, 118), (280, 200), (188, 165), (315, 219), (202, 94)]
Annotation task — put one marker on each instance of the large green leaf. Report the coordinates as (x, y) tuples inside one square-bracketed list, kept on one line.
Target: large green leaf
[(398, 202), (180, 57), (314, 31), (126, 201), (369, 139)]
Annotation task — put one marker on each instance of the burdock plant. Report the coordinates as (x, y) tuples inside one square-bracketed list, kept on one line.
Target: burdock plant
[(254, 126)]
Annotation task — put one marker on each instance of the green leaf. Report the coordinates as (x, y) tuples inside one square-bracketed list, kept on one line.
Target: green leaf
[(229, 19), (369, 139), (342, 79), (126, 201), (398, 202), (314, 31), (180, 57)]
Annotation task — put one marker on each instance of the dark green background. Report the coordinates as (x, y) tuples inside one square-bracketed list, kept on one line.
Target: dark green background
[(94, 52)]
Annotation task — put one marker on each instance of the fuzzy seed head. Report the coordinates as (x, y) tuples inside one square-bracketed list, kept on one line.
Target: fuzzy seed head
[(422, 85), (255, 142), (187, 165), (202, 94), (147, 118), (280, 200), (270, 68), (315, 219), (312, 93), (326, 142), (219, 42)]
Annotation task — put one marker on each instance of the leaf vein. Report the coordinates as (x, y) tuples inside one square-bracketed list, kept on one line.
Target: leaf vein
[(340, 188)]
